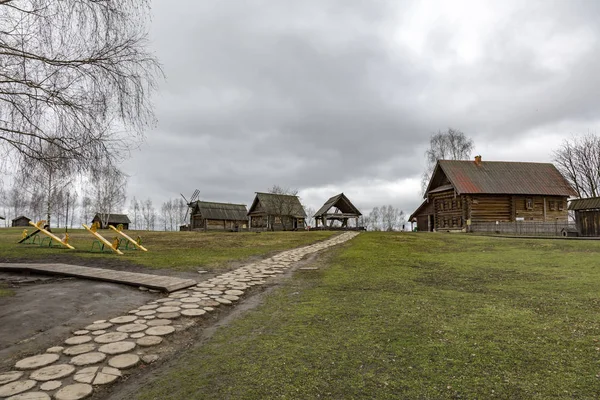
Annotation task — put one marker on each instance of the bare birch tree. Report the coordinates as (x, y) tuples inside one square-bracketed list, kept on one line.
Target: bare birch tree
[(449, 145), (578, 160), (285, 205), (108, 190), (72, 72)]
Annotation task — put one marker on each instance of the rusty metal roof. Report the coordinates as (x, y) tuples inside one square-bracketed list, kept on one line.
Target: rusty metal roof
[(585, 204), (220, 211), (503, 177), (341, 202)]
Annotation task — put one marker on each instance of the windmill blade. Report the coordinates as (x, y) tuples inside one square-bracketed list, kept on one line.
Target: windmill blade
[(186, 200), (195, 195)]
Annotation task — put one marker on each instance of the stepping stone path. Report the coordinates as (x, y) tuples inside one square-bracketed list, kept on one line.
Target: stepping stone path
[(97, 353)]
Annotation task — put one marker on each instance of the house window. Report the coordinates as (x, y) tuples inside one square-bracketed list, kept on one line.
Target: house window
[(529, 203), (560, 205), (552, 205)]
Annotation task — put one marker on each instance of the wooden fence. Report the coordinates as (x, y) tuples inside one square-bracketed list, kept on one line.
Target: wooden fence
[(523, 228)]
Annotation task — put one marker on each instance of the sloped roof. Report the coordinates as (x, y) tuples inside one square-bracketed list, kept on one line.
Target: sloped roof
[(221, 211), (113, 218), (502, 177), (271, 203), (422, 208), (585, 204), (341, 202), (22, 217)]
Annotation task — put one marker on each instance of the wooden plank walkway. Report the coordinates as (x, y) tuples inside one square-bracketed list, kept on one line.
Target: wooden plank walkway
[(158, 282)]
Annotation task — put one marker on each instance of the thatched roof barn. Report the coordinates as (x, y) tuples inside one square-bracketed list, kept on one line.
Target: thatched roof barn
[(276, 212), (218, 216), (343, 211)]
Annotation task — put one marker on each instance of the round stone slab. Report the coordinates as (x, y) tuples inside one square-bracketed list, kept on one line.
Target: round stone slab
[(98, 332), (158, 322), (78, 340), (85, 375), (209, 303), (169, 315), (55, 349), (193, 312), (234, 292), (179, 295), (132, 328), (160, 330), (16, 387), (168, 309), (147, 341), (10, 377), (79, 349), (96, 326), (125, 319), (106, 375), (209, 309), (124, 361), (137, 335), (117, 347), (81, 332), (50, 385), (145, 313), (37, 361), (212, 291), (75, 391), (230, 297), (30, 396), (191, 300), (222, 300), (111, 337), (88, 358), (149, 307), (190, 306), (52, 372), (172, 303)]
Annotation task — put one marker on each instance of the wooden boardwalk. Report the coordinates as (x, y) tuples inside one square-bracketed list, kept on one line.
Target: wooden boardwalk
[(158, 282)]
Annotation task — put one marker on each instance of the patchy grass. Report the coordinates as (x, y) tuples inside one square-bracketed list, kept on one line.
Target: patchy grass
[(413, 316), (184, 251), (5, 292)]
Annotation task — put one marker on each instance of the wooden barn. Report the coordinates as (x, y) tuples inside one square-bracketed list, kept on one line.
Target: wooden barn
[(209, 215), (343, 210), (112, 219), (587, 215), (20, 221), (462, 194), (276, 212)]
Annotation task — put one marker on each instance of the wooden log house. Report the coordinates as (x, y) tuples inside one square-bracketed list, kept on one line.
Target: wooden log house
[(112, 219), (587, 215), (208, 215), (462, 194), (271, 211), (343, 210)]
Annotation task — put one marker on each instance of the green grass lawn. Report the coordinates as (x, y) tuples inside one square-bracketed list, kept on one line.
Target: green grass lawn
[(184, 251), (416, 316)]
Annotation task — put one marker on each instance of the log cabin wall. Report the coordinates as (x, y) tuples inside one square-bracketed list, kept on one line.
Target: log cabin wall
[(489, 208), (540, 208), (448, 209)]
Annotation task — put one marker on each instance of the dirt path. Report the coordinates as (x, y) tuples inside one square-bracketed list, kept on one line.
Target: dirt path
[(197, 336), (44, 310)]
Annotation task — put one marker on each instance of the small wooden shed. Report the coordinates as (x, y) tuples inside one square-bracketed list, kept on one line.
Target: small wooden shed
[(20, 221), (271, 211), (112, 219), (587, 215), (209, 215), (343, 210), (424, 216)]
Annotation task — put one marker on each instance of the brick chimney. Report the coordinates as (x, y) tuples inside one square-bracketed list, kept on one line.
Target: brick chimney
[(477, 160)]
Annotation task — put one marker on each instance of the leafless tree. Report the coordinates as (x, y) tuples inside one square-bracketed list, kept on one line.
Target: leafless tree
[(86, 209), (134, 206), (373, 219), (578, 160), (75, 75), (148, 214), (392, 218), (107, 189), (285, 205), (449, 145), (310, 212)]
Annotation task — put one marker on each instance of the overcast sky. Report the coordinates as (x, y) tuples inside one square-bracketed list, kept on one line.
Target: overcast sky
[(326, 96)]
